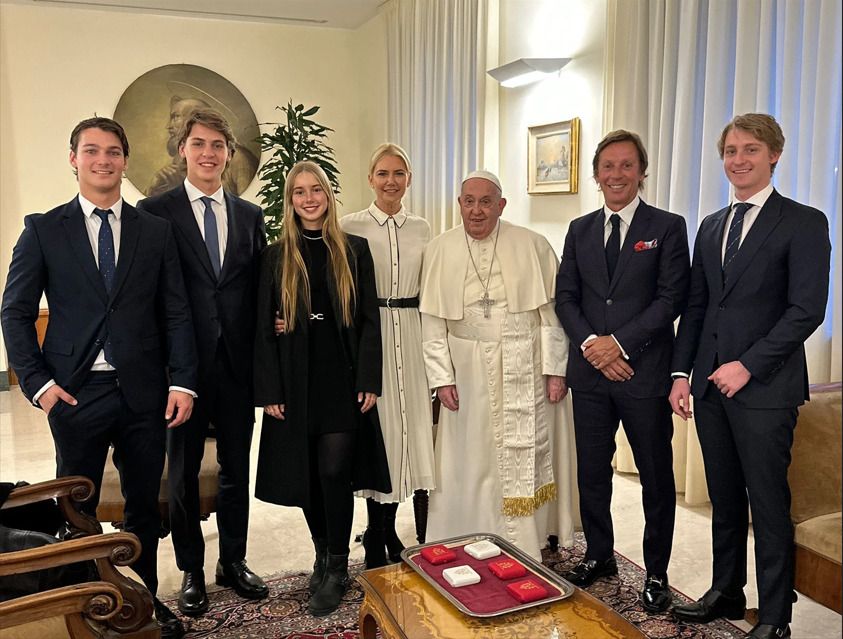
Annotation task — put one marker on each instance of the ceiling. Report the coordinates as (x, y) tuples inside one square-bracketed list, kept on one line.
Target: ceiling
[(337, 14)]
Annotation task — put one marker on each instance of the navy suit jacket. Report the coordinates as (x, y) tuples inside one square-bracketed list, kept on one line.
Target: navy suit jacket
[(146, 315), (774, 300), (638, 306), (225, 307)]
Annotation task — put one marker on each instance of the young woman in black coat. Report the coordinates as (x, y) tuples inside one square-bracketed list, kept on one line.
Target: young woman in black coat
[(319, 380)]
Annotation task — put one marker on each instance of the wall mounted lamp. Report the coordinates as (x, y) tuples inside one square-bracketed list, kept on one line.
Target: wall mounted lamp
[(527, 70)]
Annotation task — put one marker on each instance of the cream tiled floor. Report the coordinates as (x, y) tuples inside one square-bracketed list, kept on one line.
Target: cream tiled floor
[(278, 538)]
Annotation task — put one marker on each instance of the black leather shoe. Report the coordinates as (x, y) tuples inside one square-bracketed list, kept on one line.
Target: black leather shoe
[(193, 598), (171, 627), (238, 576), (713, 605), (588, 571), (656, 595), (767, 631)]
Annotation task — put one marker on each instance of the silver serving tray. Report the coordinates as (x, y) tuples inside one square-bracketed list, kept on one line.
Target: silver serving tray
[(565, 588)]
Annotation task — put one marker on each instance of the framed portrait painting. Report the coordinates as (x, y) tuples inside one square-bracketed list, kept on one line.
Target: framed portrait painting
[(553, 154)]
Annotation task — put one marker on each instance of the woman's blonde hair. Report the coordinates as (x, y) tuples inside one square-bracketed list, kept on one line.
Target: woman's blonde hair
[(295, 285), (388, 148)]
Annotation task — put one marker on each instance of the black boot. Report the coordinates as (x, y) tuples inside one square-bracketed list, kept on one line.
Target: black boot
[(420, 500), (321, 546), (373, 538), (393, 542), (329, 594)]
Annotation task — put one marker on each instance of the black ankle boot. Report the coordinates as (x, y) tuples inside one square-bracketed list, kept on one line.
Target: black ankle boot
[(393, 542), (375, 546), (328, 596), (373, 538), (321, 546), (420, 502)]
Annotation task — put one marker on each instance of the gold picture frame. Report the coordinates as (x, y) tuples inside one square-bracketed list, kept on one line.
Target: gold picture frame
[(553, 156)]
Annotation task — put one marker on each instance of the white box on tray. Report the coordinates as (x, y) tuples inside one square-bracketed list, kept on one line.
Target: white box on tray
[(459, 576)]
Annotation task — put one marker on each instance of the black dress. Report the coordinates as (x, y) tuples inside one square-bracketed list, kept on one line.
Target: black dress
[(327, 378)]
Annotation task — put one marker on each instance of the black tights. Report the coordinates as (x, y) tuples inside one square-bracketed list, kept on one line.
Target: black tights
[(331, 499)]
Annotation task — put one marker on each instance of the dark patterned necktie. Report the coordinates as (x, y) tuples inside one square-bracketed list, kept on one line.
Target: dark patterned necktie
[(613, 245), (107, 265), (733, 239), (212, 238)]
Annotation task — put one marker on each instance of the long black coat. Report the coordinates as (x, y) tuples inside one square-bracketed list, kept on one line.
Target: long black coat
[(281, 377)]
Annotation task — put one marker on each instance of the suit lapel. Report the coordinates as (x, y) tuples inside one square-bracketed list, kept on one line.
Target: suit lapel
[(768, 218), (74, 225), (596, 249), (129, 234), (234, 233), (638, 228), (183, 218)]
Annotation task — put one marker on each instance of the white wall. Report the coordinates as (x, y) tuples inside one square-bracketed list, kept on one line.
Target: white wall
[(60, 65), (545, 29)]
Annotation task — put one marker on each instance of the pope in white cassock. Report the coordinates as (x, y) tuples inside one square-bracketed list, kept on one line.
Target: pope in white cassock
[(496, 354)]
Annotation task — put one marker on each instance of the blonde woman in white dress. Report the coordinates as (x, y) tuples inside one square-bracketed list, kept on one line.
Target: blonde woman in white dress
[(397, 240)]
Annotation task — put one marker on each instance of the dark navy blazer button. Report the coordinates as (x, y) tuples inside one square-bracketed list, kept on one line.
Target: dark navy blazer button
[(98, 342), (722, 308), (608, 302)]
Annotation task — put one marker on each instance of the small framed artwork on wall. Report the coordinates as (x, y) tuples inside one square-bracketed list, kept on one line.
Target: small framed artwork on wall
[(553, 154)]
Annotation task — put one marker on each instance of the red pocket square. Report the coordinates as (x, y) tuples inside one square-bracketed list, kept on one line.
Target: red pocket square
[(507, 569), (527, 590), (438, 554), (641, 245)]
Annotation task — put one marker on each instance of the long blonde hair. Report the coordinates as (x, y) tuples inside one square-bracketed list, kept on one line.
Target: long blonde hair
[(295, 285)]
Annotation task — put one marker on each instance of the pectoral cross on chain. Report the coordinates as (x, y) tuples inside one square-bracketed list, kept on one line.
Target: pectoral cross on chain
[(486, 302)]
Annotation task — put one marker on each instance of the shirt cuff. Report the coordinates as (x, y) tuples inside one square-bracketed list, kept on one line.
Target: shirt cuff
[(679, 375), (623, 352), (587, 340), (41, 391), (184, 390)]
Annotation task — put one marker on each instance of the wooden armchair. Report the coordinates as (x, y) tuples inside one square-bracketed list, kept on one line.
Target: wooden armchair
[(115, 606)]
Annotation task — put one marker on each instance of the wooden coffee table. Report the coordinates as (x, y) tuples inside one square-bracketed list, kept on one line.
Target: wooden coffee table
[(403, 605)]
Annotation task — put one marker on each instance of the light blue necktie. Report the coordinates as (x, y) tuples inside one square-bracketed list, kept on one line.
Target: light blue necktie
[(212, 238), (107, 266)]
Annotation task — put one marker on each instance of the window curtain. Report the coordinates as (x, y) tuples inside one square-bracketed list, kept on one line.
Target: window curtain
[(676, 72), (436, 75)]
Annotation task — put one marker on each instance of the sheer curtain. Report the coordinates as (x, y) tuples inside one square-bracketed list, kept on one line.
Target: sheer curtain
[(676, 72), (437, 84)]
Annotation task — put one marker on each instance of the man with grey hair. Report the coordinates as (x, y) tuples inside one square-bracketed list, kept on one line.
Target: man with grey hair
[(496, 355)]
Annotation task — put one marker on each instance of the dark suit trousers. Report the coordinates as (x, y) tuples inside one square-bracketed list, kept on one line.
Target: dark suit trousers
[(747, 454), (649, 429), (226, 402), (82, 435)]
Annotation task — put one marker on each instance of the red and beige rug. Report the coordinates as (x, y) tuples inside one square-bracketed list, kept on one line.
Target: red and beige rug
[(284, 614)]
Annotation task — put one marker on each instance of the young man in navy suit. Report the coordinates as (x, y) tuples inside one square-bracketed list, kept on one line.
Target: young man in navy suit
[(622, 282), (219, 238), (759, 286), (119, 329)]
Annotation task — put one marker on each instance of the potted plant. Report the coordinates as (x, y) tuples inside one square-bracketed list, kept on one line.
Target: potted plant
[(299, 138)]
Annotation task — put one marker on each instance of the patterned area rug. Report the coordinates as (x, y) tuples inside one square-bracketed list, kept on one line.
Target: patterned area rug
[(284, 614)]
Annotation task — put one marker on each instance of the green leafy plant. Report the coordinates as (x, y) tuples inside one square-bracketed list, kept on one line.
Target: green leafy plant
[(299, 138)]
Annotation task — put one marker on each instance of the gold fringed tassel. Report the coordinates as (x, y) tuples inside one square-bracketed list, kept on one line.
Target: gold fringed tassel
[(525, 506)]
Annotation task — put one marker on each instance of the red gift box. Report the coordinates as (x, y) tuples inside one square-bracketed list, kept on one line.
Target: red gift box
[(438, 554), (507, 569), (527, 590)]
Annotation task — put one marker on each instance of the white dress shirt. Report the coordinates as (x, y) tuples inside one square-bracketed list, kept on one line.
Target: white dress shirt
[(218, 206)]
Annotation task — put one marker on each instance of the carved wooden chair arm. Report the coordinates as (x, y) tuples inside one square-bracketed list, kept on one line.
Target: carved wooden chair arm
[(107, 550), (98, 600), (121, 549), (68, 492)]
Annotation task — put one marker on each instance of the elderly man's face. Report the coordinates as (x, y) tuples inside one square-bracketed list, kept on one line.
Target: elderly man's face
[(481, 205), (179, 112)]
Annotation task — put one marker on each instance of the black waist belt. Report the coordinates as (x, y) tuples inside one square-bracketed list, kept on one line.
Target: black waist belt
[(399, 302)]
